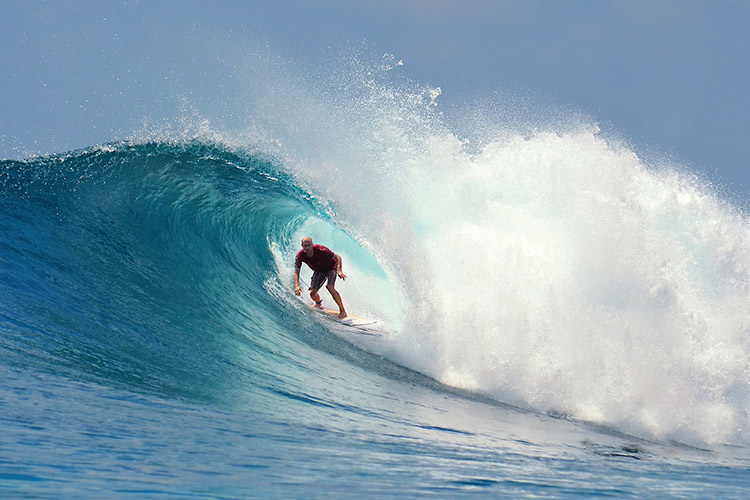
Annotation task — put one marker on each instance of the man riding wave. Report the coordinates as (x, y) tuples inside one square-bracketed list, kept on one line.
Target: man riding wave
[(326, 265)]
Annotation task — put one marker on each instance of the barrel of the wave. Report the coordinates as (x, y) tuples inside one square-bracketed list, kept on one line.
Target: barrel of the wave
[(326, 266)]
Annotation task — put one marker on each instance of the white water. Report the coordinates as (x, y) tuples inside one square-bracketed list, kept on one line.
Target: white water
[(566, 276)]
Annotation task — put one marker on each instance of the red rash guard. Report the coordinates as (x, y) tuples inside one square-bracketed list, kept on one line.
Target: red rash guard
[(321, 260)]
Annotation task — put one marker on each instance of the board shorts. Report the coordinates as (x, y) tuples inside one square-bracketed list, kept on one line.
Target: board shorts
[(320, 277)]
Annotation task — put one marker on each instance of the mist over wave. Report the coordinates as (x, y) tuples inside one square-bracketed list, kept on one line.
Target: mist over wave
[(544, 265)]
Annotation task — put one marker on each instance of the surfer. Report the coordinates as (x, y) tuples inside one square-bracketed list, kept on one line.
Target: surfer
[(326, 265)]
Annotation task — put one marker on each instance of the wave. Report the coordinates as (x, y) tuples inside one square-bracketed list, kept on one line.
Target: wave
[(549, 270)]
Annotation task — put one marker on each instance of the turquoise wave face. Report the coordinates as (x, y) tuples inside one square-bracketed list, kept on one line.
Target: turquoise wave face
[(143, 266)]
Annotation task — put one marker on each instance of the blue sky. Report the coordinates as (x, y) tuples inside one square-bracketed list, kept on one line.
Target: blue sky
[(670, 77)]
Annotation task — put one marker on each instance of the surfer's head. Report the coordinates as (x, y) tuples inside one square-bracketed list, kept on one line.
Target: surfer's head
[(307, 245)]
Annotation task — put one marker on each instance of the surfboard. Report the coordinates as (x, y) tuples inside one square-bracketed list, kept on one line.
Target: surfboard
[(350, 320)]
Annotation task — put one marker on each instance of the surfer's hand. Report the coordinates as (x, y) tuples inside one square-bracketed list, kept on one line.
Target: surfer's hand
[(297, 290), (342, 275)]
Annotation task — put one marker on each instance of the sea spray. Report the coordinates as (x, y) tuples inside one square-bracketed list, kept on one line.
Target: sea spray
[(550, 267)]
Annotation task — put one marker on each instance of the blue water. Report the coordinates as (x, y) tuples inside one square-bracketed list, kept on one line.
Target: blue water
[(150, 345)]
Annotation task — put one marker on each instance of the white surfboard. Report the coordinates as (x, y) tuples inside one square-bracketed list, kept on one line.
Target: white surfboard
[(350, 320)]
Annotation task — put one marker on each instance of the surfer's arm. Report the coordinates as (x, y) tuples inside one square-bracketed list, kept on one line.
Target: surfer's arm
[(339, 264), (297, 289)]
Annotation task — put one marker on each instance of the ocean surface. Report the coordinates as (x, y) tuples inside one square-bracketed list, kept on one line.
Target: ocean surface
[(557, 317)]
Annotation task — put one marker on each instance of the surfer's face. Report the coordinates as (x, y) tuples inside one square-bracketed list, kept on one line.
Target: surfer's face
[(307, 246)]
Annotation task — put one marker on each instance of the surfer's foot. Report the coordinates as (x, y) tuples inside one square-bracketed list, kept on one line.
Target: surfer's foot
[(319, 305), (342, 315)]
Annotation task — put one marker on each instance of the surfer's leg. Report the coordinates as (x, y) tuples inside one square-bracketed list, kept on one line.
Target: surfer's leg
[(316, 283), (331, 286), (337, 298), (315, 296)]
